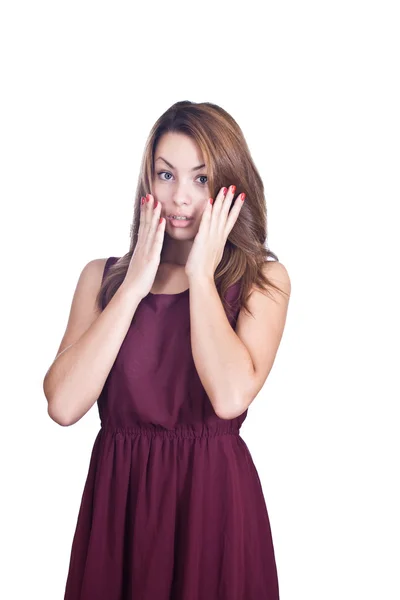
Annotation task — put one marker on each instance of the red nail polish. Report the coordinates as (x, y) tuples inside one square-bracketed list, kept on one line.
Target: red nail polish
[(233, 189), (211, 200), (242, 197), (147, 197), (224, 191)]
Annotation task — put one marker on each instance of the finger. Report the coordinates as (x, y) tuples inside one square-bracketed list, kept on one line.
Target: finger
[(221, 209), (227, 202), (219, 202), (154, 221), (159, 237), (206, 217), (142, 217), (233, 215), (208, 208), (149, 209)]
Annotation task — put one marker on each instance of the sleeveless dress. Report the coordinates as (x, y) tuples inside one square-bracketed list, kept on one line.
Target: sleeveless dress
[(172, 507)]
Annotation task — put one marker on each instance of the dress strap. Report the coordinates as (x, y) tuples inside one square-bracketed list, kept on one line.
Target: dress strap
[(110, 261)]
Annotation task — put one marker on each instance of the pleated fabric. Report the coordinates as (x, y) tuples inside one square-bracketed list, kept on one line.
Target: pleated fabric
[(172, 507)]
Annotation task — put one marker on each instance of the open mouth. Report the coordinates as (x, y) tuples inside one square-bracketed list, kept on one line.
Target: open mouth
[(179, 222)]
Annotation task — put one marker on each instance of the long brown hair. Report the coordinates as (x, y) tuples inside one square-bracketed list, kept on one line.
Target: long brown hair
[(228, 161)]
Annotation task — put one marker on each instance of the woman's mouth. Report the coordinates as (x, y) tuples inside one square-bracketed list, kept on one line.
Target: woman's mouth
[(179, 222)]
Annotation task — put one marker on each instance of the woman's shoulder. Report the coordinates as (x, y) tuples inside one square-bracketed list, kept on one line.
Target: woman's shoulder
[(97, 267), (111, 260), (276, 267), (278, 274)]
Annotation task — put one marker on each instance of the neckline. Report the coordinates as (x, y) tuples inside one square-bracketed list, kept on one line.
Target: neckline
[(170, 295)]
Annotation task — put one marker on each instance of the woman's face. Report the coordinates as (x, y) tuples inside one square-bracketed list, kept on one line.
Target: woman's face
[(182, 185)]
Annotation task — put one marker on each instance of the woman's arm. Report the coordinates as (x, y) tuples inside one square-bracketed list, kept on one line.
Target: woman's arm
[(233, 366), (89, 347)]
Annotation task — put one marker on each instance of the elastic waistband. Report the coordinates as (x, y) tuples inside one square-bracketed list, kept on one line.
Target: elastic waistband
[(158, 431)]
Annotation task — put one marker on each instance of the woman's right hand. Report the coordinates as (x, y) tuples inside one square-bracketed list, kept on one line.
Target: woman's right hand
[(146, 256)]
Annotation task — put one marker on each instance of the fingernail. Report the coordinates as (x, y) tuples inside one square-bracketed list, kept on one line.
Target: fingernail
[(233, 189), (242, 197)]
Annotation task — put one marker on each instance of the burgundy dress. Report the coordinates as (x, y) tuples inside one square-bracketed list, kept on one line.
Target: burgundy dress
[(172, 507)]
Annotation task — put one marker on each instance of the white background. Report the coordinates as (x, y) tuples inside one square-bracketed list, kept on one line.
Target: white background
[(315, 89)]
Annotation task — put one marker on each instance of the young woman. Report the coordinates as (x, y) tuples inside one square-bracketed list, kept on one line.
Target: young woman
[(174, 340)]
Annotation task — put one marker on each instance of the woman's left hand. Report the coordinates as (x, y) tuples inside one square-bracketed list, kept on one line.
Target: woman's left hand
[(215, 225)]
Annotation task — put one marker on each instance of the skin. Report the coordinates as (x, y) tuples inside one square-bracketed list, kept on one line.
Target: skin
[(232, 365), (179, 190), (196, 250)]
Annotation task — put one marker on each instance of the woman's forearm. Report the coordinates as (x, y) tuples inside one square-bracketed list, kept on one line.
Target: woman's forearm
[(74, 381), (222, 361)]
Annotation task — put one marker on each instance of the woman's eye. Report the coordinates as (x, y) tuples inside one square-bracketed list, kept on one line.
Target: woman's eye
[(168, 173), (162, 172)]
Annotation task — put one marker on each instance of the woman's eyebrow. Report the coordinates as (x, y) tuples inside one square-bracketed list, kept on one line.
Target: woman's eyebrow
[(172, 167)]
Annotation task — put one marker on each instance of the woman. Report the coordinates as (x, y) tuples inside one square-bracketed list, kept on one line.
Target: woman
[(174, 341)]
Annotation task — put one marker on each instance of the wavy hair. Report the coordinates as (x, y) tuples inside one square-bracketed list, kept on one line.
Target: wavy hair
[(228, 159)]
